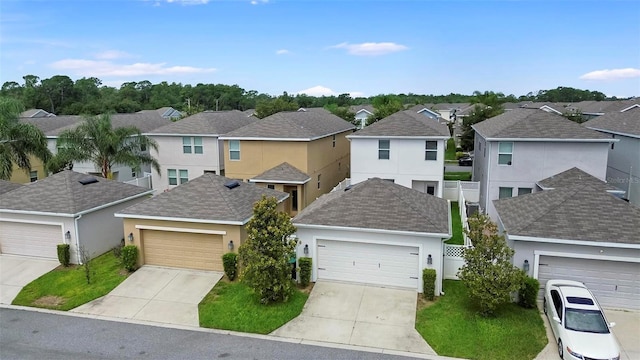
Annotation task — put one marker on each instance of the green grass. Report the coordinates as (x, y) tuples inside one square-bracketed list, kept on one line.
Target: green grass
[(456, 224), (234, 306), (462, 176), (70, 286), (453, 328), (450, 153)]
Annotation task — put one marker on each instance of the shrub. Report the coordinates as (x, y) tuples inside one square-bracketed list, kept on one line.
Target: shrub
[(230, 264), (528, 292), (459, 154), (429, 283), (64, 255), (130, 257), (305, 271), (117, 250)]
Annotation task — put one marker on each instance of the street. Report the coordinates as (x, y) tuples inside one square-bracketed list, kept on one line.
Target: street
[(36, 335)]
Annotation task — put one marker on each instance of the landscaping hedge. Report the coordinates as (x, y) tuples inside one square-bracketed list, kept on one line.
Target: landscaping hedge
[(528, 293), (230, 264), (305, 270), (64, 255), (429, 283), (130, 257)]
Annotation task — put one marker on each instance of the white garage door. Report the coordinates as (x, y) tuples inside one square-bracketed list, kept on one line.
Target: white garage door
[(368, 263), (615, 284), (30, 239)]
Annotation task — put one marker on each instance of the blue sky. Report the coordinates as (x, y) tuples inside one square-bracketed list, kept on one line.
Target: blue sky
[(329, 47)]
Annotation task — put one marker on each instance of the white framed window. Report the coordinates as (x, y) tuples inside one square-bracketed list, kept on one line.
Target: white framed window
[(177, 176), (197, 145), (431, 150), (384, 147), (234, 149), (184, 176), (33, 176), (186, 145), (192, 145), (505, 153), (505, 192), (524, 191)]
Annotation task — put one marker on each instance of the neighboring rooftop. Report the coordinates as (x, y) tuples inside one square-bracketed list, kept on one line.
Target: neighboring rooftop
[(165, 112), (206, 123), (379, 204), (205, 198), (574, 177), (627, 123), (604, 107), (36, 113), (359, 108), (49, 124), (6, 186), (284, 173), (63, 193), (145, 122), (405, 123)]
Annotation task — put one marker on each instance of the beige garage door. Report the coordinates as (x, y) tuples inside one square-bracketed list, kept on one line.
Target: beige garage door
[(30, 239), (183, 250)]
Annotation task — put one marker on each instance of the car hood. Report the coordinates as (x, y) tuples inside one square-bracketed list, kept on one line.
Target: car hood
[(598, 346)]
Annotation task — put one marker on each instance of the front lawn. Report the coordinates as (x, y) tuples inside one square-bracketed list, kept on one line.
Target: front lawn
[(234, 306), (462, 176), (453, 328), (456, 225), (450, 153), (66, 288)]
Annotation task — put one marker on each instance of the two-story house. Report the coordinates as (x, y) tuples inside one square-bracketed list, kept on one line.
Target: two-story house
[(623, 166), (303, 153), (362, 114), (516, 149), (406, 148), (191, 147)]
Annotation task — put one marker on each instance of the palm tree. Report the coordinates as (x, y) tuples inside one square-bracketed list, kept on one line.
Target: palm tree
[(18, 141), (96, 140)]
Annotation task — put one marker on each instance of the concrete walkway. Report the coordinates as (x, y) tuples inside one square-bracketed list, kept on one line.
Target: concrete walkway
[(18, 271), (157, 294), (359, 315)]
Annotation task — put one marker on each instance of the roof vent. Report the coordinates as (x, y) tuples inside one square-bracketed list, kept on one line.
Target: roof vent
[(88, 180), (232, 184), (348, 188)]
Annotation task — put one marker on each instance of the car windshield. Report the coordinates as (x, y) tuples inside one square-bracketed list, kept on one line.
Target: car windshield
[(585, 321)]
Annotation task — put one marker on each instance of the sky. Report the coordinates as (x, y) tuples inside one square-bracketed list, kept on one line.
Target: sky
[(330, 47)]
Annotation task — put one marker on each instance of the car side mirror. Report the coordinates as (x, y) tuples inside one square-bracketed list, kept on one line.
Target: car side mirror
[(612, 324), (557, 319)]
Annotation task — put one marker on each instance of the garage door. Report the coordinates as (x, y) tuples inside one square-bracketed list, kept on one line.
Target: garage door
[(368, 263), (183, 250), (30, 239), (615, 284)]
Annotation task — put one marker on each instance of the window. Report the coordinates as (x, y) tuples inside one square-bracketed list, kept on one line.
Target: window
[(318, 181), (505, 153), (334, 141), (143, 147), (505, 192), (192, 144), (383, 149), (431, 150), (184, 176), (186, 145), (271, 186), (173, 176), (431, 190), (210, 172), (234, 149), (134, 174), (557, 303), (479, 146), (197, 145), (524, 191), (33, 176)]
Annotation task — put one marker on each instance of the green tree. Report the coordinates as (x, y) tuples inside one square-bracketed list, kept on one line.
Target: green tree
[(488, 272), (343, 112), (480, 113), (265, 255), (282, 103), (384, 105), (96, 140), (18, 141)]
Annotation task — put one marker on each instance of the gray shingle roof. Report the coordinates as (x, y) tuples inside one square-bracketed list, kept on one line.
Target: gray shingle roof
[(6, 186), (207, 123), (534, 124), (356, 108), (283, 173), (627, 122), (303, 125), (205, 198), (603, 107), (405, 123), (379, 204), (419, 107), (580, 212), (63, 193), (48, 124), (145, 122), (574, 177)]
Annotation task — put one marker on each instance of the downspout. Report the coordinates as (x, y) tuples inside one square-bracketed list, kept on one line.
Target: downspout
[(75, 221), (486, 193)]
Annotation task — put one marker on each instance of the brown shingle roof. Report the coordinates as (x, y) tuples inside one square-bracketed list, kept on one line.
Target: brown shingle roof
[(283, 173), (405, 123), (207, 123), (627, 122)]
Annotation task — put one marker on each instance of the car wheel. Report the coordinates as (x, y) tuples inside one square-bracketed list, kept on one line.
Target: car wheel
[(544, 305), (560, 349)]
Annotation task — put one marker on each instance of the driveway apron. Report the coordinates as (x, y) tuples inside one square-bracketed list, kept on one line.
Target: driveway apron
[(359, 315), (18, 271), (157, 294)]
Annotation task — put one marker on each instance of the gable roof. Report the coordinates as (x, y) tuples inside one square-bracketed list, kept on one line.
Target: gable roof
[(48, 124), (292, 125), (579, 212), (574, 177), (362, 108), (405, 123), (206, 123), (381, 205), (283, 173), (626, 123), (6, 186), (145, 122), (62, 193), (204, 199), (535, 124), (36, 113)]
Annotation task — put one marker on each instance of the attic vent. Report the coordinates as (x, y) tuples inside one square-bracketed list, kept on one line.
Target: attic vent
[(88, 180), (232, 184)]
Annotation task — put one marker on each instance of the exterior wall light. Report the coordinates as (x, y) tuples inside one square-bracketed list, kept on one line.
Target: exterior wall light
[(525, 266), (67, 236), (429, 259), (306, 249), (230, 245), (130, 237)]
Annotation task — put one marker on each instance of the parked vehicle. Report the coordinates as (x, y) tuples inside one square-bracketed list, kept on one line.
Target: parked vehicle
[(578, 323), (465, 161)]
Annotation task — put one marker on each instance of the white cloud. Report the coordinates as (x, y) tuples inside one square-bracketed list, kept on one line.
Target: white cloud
[(370, 49), (282, 52), (95, 68), (355, 94), (612, 74), (111, 55), (258, 2)]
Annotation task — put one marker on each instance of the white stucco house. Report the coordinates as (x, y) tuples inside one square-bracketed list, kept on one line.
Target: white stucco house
[(623, 166), (375, 232), (406, 148), (190, 147), (516, 149)]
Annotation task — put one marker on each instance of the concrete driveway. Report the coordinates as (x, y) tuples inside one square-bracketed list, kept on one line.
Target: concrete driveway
[(359, 315), (18, 271), (164, 295), (627, 331)]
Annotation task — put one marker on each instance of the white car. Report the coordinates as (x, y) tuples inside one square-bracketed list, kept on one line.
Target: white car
[(578, 323)]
